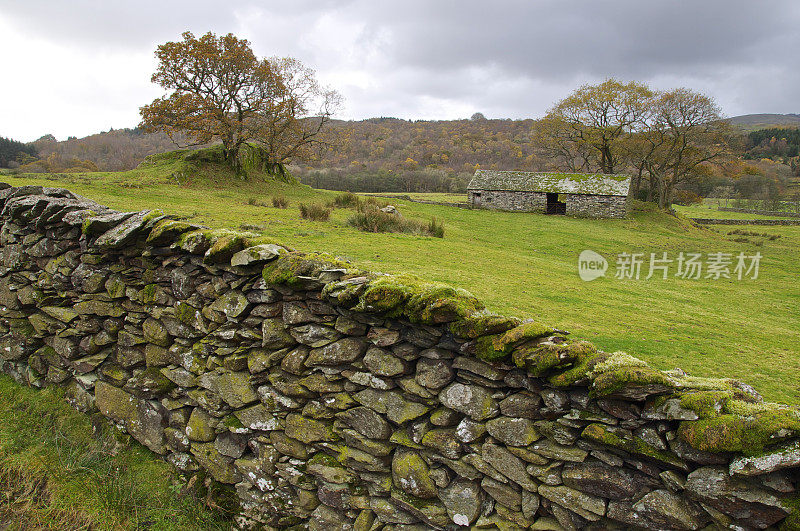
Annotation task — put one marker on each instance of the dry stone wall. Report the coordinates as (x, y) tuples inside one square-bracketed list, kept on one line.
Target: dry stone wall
[(333, 398), (717, 221)]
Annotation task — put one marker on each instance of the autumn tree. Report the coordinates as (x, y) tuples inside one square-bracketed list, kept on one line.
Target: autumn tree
[(585, 129), (665, 137), (685, 134), (220, 91)]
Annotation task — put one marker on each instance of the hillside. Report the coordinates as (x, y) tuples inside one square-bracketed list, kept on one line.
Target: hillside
[(114, 150), (379, 145), (387, 144), (753, 122), (374, 155)]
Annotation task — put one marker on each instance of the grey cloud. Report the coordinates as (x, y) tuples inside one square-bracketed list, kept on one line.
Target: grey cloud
[(510, 58), (552, 39)]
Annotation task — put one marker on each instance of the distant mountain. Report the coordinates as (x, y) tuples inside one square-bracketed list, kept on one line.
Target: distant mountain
[(752, 122)]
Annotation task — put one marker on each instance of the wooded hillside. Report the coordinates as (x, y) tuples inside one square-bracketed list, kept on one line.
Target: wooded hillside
[(383, 154)]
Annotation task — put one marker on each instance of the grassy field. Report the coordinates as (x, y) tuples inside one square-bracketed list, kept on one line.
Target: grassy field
[(61, 471), (526, 265), (708, 209), (425, 196)]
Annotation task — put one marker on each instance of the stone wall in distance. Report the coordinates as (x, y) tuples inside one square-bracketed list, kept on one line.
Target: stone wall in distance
[(333, 398)]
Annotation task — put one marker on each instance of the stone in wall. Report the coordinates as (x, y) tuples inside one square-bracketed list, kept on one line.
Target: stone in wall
[(327, 397)]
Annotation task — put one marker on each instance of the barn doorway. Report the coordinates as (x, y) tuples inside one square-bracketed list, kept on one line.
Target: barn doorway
[(554, 206)]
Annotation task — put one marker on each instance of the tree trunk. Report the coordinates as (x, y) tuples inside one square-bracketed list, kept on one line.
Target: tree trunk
[(665, 193), (652, 188), (637, 185), (231, 153), (606, 158)]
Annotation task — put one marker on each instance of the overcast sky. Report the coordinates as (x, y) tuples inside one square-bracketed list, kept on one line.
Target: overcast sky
[(78, 67)]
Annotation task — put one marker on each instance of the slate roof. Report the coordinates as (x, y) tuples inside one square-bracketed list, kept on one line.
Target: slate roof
[(562, 183)]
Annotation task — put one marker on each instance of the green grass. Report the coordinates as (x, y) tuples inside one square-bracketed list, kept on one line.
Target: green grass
[(429, 196), (526, 265), (61, 469), (708, 209)]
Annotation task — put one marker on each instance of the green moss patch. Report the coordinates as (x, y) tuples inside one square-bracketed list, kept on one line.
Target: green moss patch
[(612, 381), (582, 366), (438, 303), (750, 431), (224, 247), (149, 294), (540, 359), (387, 294), (499, 346), (419, 301), (168, 230), (793, 520), (483, 323), (286, 269), (706, 403)]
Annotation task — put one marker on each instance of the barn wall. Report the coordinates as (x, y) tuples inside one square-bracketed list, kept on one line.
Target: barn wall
[(513, 201), (581, 205), (596, 206)]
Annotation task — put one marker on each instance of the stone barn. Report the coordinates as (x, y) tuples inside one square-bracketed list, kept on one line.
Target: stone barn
[(575, 194)]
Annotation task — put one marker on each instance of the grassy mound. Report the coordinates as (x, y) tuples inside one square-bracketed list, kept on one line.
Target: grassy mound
[(188, 166)]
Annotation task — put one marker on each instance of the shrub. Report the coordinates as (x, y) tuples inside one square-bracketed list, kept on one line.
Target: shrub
[(252, 201), (370, 218), (351, 200), (314, 212), (436, 228), (346, 200), (279, 201), (686, 198), (373, 201)]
